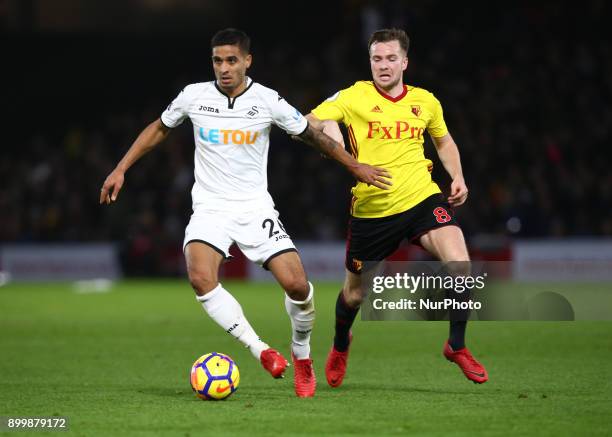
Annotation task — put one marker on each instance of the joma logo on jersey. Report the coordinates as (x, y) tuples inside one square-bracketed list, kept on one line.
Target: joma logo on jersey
[(228, 136), (209, 109), (401, 129)]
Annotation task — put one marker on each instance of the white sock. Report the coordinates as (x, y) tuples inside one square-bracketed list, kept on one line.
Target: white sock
[(224, 309), (302, 315)]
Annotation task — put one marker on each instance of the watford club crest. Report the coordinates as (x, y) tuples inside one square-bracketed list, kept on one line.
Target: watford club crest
[(357, 265), (416, 109)]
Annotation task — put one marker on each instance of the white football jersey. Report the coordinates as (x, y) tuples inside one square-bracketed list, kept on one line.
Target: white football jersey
[(232, 138)]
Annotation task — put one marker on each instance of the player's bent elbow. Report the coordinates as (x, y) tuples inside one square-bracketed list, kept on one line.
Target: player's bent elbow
[(160, 128)]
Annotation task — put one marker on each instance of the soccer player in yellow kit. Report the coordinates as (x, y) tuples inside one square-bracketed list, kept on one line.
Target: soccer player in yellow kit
[(386, 122)]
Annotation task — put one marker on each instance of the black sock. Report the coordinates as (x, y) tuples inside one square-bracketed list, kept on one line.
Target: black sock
[(345, 316), (458, 320), (456, 336)]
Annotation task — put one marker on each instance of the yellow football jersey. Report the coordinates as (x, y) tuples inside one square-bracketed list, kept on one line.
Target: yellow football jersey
[(388, 132)]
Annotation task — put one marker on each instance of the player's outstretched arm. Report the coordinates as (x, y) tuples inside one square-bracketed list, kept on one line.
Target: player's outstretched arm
[(449, 156), (151, 136), (315, 137)]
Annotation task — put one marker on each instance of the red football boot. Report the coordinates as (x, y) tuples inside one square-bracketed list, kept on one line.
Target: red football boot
[(273, 362), (335, 367), (304, 379), (472, 369)]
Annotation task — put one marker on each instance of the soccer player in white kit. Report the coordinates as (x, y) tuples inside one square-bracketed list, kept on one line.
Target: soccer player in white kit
[(232, 117)]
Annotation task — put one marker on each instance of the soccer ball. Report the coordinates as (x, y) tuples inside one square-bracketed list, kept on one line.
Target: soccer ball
[(214, 376)]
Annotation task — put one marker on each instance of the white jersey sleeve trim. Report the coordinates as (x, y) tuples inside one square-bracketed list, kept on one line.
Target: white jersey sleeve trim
[(178, 110)]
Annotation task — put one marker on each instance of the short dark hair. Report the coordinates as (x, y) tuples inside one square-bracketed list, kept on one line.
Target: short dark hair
[(386, 35), (232, 37)]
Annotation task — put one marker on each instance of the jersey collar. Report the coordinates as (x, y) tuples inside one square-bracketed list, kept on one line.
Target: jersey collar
[(232, 100), (388, 97)]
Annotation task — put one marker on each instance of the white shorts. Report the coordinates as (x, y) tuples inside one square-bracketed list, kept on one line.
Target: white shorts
[(258, 234)]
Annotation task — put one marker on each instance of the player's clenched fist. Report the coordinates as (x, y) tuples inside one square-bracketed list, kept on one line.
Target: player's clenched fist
[(459, 192), (111, 187), (377, 176)]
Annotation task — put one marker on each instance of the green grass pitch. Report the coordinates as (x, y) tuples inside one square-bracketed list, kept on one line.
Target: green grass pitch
[(118, 363)]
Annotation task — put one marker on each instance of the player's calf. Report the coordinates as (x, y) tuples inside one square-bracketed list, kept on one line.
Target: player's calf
[(345, 317), (225, 310), (302, 316), (299, 300)]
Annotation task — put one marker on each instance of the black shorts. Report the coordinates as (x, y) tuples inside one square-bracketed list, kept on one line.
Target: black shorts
[(374, 239)]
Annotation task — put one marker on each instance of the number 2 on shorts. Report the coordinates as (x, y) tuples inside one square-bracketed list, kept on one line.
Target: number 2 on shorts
[(271, 223)]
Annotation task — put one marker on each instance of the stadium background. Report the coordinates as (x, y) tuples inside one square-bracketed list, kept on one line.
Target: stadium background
[(526, 88)]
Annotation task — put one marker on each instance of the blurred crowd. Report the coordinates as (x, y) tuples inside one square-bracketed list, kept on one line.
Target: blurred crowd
[(527, 93)]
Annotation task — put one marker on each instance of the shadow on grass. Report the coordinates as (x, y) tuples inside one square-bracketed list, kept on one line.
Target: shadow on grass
[(254, 392), (165, 392), (370, 389)]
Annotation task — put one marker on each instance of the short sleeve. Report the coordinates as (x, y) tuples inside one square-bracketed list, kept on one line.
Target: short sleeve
[(176, 112), (437, 127), (334, 108), (287, 117)]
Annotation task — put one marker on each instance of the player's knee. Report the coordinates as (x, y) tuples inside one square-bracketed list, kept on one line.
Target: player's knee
[(202, 283), (353, 296), (461, 256), (296, 287), (460, 266)]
